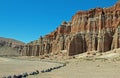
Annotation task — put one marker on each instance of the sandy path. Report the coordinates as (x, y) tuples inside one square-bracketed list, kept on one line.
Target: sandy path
[(14, 66)]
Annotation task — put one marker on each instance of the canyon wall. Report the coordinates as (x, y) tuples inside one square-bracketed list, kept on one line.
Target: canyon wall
[(93, 30)]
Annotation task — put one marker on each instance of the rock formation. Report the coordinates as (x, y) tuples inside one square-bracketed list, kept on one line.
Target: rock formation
[(93, 30), (10, 46)]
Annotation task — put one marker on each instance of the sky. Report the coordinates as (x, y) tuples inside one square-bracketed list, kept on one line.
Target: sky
[(27, 20)]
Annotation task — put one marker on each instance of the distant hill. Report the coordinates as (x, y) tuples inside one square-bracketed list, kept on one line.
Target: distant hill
[(10, 46), (11, 40)]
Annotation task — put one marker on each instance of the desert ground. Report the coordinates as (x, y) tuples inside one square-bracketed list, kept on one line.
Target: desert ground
[(101, 66), (85, 69), (11, 66)]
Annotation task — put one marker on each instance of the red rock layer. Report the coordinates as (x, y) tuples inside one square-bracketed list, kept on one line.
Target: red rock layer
[(94, 30)]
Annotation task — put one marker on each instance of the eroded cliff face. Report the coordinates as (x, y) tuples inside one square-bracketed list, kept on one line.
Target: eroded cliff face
[(94, 30), (10, 46)]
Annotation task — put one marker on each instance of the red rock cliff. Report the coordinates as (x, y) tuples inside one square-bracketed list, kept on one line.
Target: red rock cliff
[(94, 30)]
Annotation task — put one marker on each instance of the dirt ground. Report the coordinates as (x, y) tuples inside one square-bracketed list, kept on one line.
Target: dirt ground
[(85, 69), (75, 68), (10, 66)]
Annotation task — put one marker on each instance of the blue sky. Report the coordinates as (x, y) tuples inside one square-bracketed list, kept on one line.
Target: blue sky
[(26, 20)]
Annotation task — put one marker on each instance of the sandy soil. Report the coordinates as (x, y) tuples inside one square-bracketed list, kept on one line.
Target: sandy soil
[(104, 66), (85, 69), (14, 66)]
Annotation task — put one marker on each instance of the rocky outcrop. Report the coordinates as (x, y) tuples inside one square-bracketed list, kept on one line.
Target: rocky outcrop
[(10, 46), (116, 39), (94, 30)]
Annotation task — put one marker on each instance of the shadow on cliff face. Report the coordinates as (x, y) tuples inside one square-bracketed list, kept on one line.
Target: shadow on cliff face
[(77, 45)]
